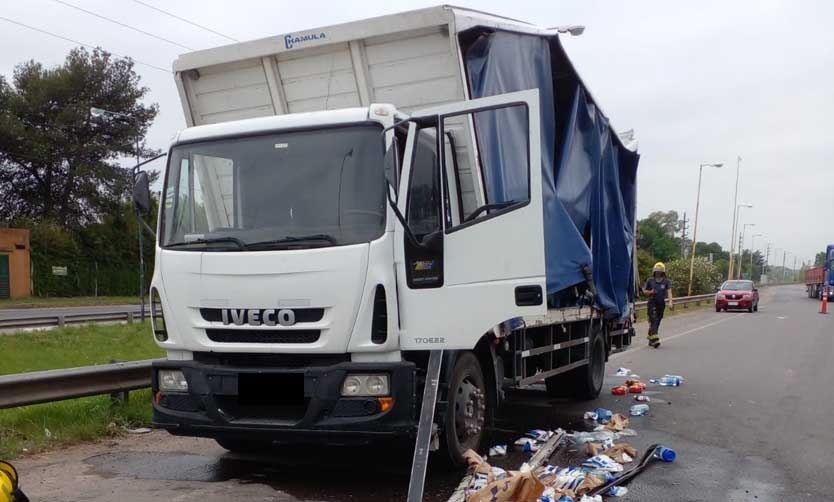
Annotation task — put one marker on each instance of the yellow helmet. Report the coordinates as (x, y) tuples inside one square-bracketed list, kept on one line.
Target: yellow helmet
[(659, 267), (8, 482)]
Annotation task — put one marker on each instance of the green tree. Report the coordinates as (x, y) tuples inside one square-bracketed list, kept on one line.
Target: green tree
[(819, 259), (704, 279), (666, 220), (57, 162), (655, 239)]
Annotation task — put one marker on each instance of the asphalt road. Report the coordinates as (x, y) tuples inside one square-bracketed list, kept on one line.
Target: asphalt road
[(29, 313), (751, 423)]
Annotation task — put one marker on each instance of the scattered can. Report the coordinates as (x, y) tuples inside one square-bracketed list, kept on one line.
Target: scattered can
[(620, 390)]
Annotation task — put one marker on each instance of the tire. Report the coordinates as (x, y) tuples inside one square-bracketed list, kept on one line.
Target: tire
[(583, 383), (750, 309), (242, 445), (590, 377), (717, 308), (466, 411), (756, 307)]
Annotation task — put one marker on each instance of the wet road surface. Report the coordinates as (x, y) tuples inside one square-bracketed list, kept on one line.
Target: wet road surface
[(751, 423)]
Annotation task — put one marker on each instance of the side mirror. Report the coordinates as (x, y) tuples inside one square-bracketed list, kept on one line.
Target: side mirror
[(717, 289), (433, 241), (756, 289), (142, 194)]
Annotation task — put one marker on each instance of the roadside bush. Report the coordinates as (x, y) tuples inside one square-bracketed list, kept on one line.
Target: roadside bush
[(705, 278)]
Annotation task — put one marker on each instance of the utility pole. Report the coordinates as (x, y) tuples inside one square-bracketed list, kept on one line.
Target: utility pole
[(783, 264), (695, 223), (684, 228), (735, 220), (767, 259), (793, 271)]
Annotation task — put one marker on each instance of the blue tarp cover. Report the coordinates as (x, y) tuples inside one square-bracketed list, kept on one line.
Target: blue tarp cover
[(590, 192)]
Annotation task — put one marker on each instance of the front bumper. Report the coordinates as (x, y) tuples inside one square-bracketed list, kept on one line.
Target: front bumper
[(739, 304), (248, 402)]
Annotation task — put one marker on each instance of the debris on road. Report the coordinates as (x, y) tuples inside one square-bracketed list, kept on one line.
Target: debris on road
[(665, 454), (623, 372), (622, 453), (668, 381), (619, 390), (139, 430), (617, 491), (638, 410), (604, 463), (498, 450)]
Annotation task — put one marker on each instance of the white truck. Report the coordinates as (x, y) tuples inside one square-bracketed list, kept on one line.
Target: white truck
[(348, 200)]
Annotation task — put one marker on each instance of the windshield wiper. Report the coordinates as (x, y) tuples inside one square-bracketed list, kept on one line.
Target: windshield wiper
[(294, 240), (211, 240)]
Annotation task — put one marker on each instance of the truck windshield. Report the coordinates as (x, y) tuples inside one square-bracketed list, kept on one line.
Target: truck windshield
[(287, 190)]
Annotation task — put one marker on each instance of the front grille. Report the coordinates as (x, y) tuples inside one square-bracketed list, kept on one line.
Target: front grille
[(301, 315), (271, 360), (263, 336)]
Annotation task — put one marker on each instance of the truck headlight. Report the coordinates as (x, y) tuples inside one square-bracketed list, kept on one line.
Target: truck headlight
[(365, 385), (172, 381), (157, 317)]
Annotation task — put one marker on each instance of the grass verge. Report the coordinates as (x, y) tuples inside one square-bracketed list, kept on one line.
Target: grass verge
[(76, 346), (73, 301), (40, 427)]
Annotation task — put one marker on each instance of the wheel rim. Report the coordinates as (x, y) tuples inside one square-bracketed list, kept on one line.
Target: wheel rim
[(470, 409)]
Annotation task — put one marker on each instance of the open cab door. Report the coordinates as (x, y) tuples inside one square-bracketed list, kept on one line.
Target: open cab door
[(471, 255)]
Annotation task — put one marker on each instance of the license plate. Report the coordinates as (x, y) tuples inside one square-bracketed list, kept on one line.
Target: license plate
[(732, 304), (271, 389)]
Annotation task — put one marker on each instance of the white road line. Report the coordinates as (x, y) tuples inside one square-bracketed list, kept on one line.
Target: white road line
[(672, 337)]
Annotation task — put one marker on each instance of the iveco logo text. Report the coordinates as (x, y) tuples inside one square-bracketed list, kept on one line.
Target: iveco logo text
[(256, 317), (421, 341), (291, 40)]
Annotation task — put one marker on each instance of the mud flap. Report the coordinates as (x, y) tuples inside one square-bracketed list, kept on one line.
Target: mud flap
[(425, 428)]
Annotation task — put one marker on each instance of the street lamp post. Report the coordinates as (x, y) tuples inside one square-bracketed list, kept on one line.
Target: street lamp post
[(100, 112), (752, 249), (695, 223), (731, 268), (741, 246), (734, 222)]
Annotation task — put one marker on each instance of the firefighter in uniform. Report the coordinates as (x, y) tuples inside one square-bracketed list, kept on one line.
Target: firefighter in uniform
[(659, 290)]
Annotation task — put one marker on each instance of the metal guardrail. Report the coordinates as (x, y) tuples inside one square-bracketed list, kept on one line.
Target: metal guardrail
[(50, 320), (23, 389), (684, 301)]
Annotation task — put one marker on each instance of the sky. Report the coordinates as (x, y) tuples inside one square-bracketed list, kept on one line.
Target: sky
[(699, 82)]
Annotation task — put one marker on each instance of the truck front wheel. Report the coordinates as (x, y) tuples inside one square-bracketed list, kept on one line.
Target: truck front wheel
[(466, 412)]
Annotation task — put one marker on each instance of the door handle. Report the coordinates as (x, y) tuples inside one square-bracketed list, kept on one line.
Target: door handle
[(528, 296)]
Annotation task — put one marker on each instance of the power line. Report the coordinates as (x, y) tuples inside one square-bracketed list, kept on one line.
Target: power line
[(45, 32), (124, 25), (192, 23)]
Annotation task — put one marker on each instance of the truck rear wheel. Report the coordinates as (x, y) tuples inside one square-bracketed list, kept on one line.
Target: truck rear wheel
[(583, 383), (466, 412)]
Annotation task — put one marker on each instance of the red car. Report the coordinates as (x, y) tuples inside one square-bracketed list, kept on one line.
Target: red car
[(737, 295)]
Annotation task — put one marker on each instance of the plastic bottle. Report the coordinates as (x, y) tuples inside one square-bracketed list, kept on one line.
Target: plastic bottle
[(665, 454), (603, 415), (638, 410), (670, 381), (644, 399)]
